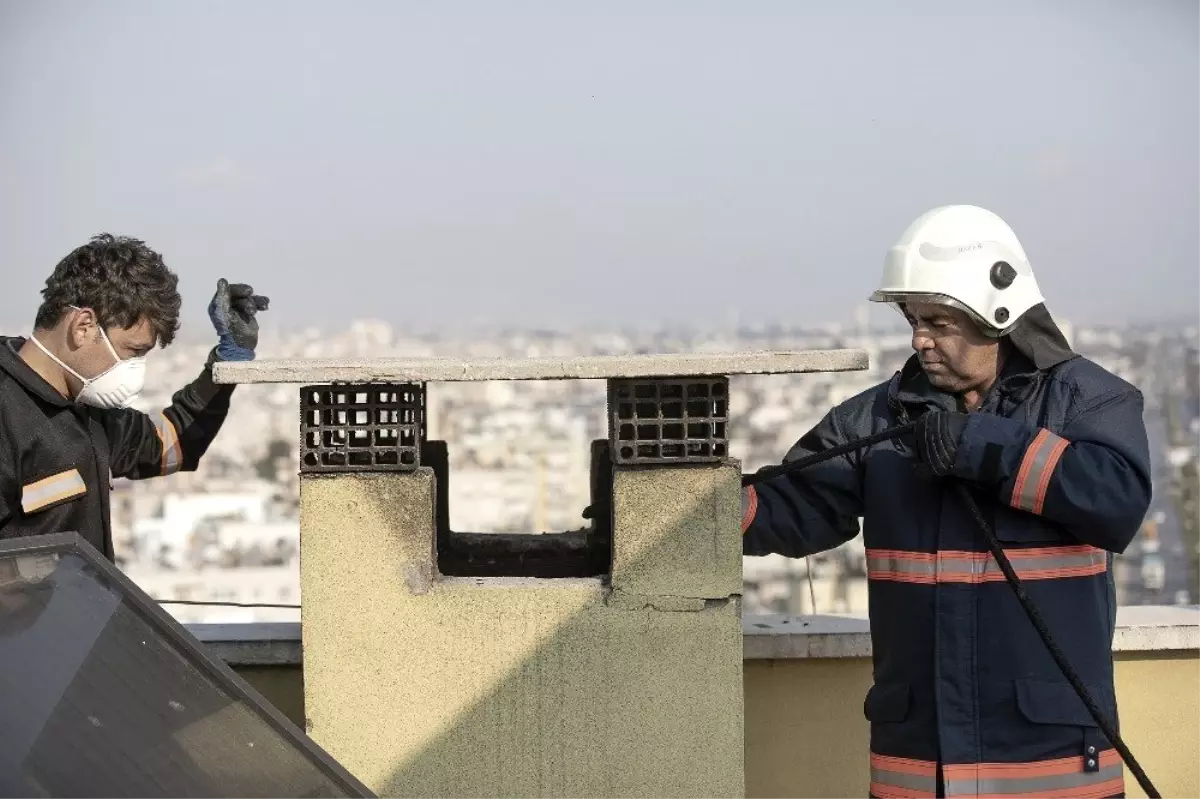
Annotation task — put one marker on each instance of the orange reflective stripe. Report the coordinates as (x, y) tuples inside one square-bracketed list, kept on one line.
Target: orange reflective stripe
[(1060, 446), (951, 566), (1042, 563), (1061, 777), (902, 778), (172, 454), (750, 509), (1037, 467), (903, 567), (1026, 465)]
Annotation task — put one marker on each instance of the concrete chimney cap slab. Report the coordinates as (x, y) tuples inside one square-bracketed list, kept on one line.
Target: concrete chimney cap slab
[(587, 367)]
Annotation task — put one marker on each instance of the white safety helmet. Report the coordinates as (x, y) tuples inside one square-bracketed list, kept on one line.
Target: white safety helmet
[(965, 257)]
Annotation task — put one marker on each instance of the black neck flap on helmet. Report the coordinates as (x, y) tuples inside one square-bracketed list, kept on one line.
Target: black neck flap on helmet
[(1038, 338)]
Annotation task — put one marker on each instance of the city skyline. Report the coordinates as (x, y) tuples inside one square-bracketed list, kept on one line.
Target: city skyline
[(518, 455), (887, 322)]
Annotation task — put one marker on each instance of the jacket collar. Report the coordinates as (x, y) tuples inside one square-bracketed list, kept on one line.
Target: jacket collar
[(12, 363), (910, 393)]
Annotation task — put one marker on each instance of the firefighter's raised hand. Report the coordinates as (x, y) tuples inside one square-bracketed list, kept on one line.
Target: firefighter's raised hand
[(937, 437), (233, 310)]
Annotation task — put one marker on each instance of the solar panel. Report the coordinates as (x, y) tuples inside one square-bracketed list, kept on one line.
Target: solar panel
[(102, 693)]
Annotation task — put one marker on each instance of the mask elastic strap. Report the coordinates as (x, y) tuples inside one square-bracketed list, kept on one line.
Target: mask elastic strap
[(104, 335), (53, 357)]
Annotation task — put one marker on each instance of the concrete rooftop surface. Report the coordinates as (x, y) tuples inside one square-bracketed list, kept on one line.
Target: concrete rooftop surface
[(591, 367)]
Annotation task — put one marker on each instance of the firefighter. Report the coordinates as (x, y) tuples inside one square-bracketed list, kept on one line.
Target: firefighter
[(966, 699), (66, 391)]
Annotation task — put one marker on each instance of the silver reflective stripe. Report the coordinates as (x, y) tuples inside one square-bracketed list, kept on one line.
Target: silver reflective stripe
[(1046, 563), (1032, 786), (911, 567), (46, 492), (902, 776), (1029, 491), (171, 453), (895, 779), (1029, 564)]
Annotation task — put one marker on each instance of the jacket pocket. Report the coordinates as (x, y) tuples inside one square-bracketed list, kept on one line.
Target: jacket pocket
[(49, 492), (1042, 702), (887, 702)]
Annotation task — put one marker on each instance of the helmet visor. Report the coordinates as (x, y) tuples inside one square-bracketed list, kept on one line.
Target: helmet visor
[(898, 299)]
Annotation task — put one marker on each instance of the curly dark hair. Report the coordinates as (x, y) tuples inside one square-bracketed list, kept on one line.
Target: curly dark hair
[(119, 278)]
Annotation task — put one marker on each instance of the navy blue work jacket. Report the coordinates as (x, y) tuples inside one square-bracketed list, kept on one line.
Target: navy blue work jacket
[(966, 699)]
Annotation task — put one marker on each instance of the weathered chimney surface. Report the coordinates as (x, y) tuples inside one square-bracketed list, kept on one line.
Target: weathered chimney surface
[(605, 661)]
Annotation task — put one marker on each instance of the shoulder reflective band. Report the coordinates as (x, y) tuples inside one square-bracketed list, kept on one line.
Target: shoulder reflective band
[(172, 455), (51, 490), (949, 566), (1033, 478), (1047, 778)]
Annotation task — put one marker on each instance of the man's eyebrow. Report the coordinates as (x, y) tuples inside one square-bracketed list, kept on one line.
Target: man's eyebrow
[(932, 318)]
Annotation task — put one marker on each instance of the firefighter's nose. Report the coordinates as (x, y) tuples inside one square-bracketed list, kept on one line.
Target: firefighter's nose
[(921, 341)]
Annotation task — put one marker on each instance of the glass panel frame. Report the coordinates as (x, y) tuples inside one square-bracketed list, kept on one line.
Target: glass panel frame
[(176, 637)]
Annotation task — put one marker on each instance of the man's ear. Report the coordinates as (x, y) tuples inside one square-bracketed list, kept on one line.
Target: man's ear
[(81, 327)]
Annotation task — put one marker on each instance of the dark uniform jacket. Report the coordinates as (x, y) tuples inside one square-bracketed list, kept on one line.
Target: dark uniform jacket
[(57, 457), (966, 699)]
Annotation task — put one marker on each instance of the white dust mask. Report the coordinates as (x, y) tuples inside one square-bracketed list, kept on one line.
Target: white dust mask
[(116, 387)]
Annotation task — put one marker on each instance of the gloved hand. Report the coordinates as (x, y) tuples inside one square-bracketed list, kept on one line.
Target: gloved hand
[(937, 437), (232, 312)]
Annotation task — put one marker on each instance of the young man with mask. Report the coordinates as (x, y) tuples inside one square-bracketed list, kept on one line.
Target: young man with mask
[(66, 425), (967, 701)]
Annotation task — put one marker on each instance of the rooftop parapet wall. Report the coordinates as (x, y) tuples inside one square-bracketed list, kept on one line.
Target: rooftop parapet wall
[(804, 683), (1157, 630)]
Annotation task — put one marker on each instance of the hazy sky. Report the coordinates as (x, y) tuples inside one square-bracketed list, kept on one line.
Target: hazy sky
[(550, 162)]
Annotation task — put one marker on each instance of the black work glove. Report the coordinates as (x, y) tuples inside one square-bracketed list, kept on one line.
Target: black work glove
[(937, 436), (232, 312)]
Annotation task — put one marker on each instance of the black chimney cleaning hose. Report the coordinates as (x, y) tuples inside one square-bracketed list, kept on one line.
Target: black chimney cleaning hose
[(1010, 576)]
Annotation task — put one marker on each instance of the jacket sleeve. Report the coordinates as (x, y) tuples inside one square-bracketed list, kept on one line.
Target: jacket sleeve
[(1093, 479), (807, 512), (174, 439)]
